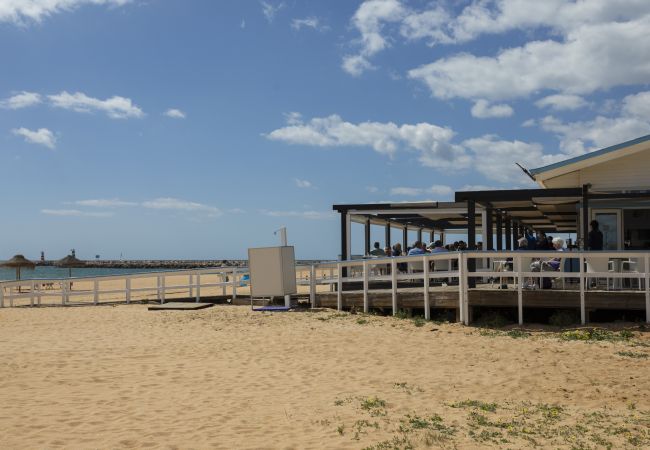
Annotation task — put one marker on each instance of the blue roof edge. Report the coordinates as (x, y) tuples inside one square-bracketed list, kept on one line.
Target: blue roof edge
[(602, 151)]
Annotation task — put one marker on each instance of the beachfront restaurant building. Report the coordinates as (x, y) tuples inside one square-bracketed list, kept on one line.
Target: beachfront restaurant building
[(611, 186)]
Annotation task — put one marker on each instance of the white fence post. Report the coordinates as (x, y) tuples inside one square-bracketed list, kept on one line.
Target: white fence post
[(520, 293), (127, 288), (466, 289), (312, 286), (583, 315), (191, 285), (393, 285), (198, 287), (234, 284), (427, 309), (96, 292), (365, 287), (461, 287), (339, 290), (647, 287), (65, 288), (223, 277)]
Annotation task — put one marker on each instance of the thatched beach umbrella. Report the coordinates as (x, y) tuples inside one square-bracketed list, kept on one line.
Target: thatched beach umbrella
[(18, 262), (70, 262)]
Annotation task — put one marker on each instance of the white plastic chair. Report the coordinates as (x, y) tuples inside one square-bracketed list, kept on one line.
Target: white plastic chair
[(526, 262), (596, 265), (635, 266)]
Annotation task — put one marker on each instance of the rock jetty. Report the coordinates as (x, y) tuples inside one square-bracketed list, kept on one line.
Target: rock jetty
[(164, 263)]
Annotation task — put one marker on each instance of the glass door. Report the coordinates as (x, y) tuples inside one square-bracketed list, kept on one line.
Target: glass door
[(609, 221)]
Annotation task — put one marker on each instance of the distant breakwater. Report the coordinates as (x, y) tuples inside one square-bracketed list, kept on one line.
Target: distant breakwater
[(164, 263)]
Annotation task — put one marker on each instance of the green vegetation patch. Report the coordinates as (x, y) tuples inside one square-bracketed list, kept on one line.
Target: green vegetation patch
[(596, 334), (636, 355), (477, 404)]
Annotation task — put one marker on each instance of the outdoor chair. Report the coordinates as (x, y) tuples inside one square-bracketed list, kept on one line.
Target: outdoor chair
[(598, 265), (415, 267), (529, 282), (635, 266), (442, 266)]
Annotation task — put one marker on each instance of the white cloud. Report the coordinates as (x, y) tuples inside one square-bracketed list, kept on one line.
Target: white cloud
[(310, 215), (369, 19), (355, 65), (175, 113), (115, 107), (105, 203), (242, 25), (482, 109), (436, 190), (42, 136), (308, 22), (236, 211), (577, 138), (372, 189), (303, 184), (589, 58), (293, 118), (270, 10), (442, 25), (74, 213), (559, 102), (432, 142), (481, 187), (18, 11), (168, 203), (407, 191), (21, 100), (495, 158), (637, 105)]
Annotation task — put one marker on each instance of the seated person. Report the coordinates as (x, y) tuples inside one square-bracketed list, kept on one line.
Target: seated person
[(554, 263), (438, 248), (417, 249), (377, 251)]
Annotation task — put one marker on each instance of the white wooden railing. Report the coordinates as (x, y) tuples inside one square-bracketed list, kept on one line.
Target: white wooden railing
[(437, 267), (35, 290)]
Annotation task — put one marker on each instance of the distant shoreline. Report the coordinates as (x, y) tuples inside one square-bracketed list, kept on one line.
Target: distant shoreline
[(163, 263)]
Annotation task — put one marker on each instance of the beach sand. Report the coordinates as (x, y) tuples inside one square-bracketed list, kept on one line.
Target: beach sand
[(225, 377)]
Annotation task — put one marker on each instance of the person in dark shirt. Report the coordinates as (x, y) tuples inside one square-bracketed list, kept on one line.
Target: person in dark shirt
[(595, 238), (377, 251)]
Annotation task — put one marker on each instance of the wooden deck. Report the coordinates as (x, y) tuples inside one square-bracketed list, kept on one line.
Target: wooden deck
[(486, 296)]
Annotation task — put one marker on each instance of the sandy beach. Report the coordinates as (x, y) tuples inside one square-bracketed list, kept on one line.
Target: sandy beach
[(225, 377)]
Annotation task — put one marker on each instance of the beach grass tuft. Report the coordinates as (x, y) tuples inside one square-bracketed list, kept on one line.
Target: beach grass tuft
[(635, 355)]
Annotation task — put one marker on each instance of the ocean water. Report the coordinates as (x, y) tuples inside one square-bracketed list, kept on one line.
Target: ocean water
[(40, 272)]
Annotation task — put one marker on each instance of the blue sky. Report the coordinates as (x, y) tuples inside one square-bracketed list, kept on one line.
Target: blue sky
[(194, 129)]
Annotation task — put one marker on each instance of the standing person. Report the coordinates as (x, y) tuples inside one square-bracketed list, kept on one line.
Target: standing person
[(530, 237), (595, 238), (377, 251)]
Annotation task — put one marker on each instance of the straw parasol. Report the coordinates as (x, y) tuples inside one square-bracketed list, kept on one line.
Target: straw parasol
[(70, 262), (18, 261)]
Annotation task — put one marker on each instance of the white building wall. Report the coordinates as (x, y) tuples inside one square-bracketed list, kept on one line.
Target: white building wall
[(627, 173)]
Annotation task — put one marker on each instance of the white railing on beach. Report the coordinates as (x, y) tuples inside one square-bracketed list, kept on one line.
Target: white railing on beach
[(450, 268)]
